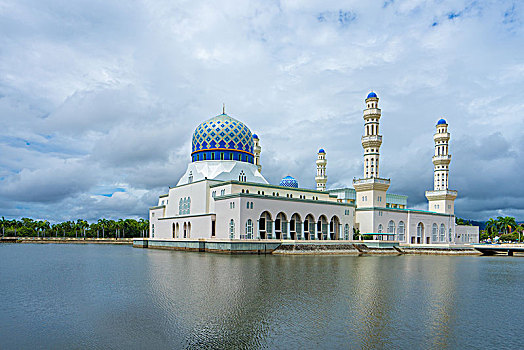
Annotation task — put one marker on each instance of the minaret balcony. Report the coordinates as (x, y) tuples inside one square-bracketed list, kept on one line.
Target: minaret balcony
[(442, 159), (445, 136), (371, 111), (441, 194), (371, 141)]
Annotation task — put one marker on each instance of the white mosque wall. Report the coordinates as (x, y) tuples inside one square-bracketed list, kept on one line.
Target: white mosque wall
[(377, 221), (236, 209), (467, 234)]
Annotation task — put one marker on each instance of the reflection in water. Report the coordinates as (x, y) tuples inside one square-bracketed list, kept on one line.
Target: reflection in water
[(120, 297)]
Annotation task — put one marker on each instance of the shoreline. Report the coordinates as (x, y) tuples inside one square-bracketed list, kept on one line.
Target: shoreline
[(61, 240)]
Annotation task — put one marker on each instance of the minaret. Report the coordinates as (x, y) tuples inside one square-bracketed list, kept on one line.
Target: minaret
[(371, 190), (441, 199), (321, 177), (371, 141), (256, 151)]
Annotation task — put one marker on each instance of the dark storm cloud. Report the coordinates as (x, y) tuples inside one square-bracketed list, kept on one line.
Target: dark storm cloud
[(98, 95)]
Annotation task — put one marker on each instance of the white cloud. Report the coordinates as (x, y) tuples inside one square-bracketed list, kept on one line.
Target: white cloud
[(94, 94)]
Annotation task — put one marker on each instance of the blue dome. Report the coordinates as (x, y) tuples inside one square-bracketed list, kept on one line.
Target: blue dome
[(222, 138), (255, 136), (371, 94), (441, 121), (289, 181), (321, 151)]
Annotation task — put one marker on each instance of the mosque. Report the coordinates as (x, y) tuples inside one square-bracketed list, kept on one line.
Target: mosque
[(223, 194)]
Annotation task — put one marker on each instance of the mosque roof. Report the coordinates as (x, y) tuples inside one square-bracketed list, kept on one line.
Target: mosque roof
[(289, 181), (321, 151), (224, 133), (372, 94), (441, 121)]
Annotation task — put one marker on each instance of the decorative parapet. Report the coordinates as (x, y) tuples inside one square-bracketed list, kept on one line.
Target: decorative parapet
[(442, 159), (371, 180), (371, 111), (372, 183), (374, 138), (441, 194)]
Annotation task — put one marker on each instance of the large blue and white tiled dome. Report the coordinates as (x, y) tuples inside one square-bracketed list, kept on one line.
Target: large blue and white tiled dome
[(222, 138), (289, 181)]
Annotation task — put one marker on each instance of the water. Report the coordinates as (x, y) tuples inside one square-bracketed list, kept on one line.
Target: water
[(117, 297)]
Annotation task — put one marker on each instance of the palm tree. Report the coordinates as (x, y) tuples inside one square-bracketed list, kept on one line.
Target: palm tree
[(491, 226)]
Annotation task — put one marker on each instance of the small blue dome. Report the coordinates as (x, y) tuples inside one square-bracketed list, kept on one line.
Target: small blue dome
[(255, 136), (289, 181), (441, 121), (321, 151), (371, 94)]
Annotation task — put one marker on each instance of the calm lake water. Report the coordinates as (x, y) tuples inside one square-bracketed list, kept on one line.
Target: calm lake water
[(103, 296)]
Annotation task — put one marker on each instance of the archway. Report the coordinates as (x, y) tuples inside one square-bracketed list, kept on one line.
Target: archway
[(188, 230), (295, 226), (309, 227), (265, 225), (281, 226), (185, 230), (322, 227), (420, 232), (334, 228)]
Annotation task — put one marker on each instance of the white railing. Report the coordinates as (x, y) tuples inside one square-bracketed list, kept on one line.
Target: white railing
[(442, 157), (371, 180), (441, 192), (372, 138), (371, 111)]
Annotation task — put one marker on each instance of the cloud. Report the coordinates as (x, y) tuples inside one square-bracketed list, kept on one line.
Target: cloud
[(102, 95)]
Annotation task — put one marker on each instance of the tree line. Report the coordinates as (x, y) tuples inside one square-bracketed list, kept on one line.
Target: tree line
[(103, 228), (504, 227)]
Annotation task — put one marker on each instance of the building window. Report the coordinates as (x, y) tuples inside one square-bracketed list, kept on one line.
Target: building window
[(190, 177), (435, 233), (391, 227), (232, 229), (214, 194), (251, 205), (442, 232), (242, 176), (380, 228), (400, 231), (249, 229), (346, 232), (153, 230), (222, 192)]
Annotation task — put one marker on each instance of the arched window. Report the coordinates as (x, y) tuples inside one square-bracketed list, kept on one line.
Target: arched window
[(442, 232), (153, 230), (391, 227), (180, 207), (190, 177), (450, 235), (380, 228), (242, 176), (420, 230), (346, 232), (232, 229), (434, 233), (400, 231), (249, 229), (188, 205)]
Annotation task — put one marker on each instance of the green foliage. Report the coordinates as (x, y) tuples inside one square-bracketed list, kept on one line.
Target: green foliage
[(460, 221), (103, 228)]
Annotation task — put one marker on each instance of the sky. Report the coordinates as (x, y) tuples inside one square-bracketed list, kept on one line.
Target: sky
[(99, 98)]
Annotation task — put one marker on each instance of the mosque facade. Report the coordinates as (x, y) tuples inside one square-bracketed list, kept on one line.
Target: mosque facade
[(223, 194)]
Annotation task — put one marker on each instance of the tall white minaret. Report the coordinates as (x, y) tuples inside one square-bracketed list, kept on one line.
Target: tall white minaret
[(442, 158), (371, 141), (321, 177), (441, 199), (256, 151), (371, 189)]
